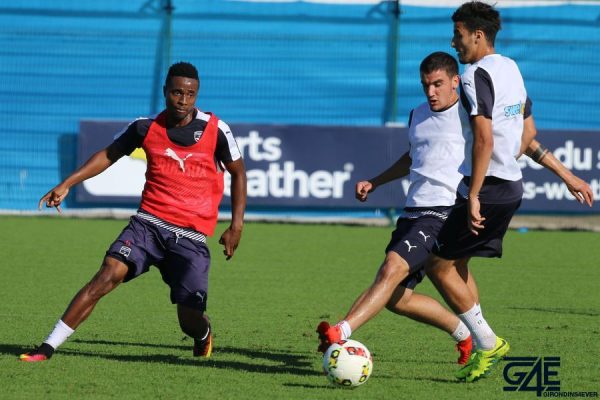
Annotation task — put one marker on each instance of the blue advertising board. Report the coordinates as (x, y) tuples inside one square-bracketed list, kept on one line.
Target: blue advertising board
[(318, 167)]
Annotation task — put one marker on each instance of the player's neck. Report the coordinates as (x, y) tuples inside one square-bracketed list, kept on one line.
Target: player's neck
[(483, 52), (175, 123)]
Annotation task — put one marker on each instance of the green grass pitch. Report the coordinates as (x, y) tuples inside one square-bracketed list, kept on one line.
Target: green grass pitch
[(265, 304)]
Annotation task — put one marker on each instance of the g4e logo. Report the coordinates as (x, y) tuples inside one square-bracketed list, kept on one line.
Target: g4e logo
[(532, 374)]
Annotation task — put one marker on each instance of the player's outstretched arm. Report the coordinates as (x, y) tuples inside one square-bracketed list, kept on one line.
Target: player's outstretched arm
[(577, 186), (399, 169), (230, 239), (96, 164)]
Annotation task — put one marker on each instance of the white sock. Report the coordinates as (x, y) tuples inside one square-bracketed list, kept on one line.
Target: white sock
[(59, 335), (477, 309), (461, 332), (484, 336), (345, 328)]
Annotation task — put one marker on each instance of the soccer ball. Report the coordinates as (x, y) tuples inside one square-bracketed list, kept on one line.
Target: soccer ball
[(347, 363)]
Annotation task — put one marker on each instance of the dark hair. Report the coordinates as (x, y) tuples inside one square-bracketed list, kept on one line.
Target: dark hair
[(477, 15), (439, 60), (184, 69)]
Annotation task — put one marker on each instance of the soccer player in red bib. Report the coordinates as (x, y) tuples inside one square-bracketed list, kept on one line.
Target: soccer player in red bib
[(187, 151)]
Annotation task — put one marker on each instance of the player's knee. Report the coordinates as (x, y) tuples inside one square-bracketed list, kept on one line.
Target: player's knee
[(195, 300), (98, 287), (393, 270), (110, 275)]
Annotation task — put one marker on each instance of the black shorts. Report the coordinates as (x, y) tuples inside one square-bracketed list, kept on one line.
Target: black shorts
[(183, 263), (455, 240), (413, 239)]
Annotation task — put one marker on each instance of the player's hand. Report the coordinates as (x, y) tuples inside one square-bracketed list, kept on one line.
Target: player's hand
[(363, 188), (230, 239), (474, 218), (580, 189), (54, 198)]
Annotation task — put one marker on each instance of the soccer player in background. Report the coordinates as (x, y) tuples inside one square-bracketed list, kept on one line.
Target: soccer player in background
[(186, 150)]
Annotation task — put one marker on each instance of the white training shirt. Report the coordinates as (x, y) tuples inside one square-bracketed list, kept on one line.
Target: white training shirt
[(437, 149), (493, 87)]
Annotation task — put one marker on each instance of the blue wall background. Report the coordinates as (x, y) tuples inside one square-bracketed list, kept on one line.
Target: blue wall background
[(281, 63)]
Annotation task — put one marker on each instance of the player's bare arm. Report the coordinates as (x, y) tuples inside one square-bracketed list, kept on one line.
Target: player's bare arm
[(230, 239), (96, 164), (529, 134), (483, 143), (398, 170), (577, 186)]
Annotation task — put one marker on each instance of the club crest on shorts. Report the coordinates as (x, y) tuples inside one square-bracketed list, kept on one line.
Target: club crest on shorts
[(126, 251), (198, 135)]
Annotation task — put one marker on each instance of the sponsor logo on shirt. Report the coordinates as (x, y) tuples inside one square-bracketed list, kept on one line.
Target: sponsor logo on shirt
[(514, 110)]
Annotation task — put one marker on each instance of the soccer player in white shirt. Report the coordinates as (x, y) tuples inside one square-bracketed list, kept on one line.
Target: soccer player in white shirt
[(393, 287), (502, 125), (436, 151)]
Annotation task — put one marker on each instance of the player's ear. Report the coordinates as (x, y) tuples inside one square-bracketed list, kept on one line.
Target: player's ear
[(455, 81), (479, 35), (164, 90)]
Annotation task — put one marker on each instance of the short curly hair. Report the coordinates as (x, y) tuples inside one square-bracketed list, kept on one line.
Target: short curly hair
[(184, 69)]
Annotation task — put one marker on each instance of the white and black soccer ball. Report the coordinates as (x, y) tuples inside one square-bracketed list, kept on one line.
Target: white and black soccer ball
[(347, 363)]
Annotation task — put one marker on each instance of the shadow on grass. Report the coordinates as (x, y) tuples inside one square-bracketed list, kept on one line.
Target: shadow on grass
[(325, 385), (570, 311), (289, 363), (438, 380), (271, 354), (14, 349)]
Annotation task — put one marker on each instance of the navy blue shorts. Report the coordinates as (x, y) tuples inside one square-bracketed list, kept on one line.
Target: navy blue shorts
[(455, 240), (183, 263), (413, 239), (412, 280)]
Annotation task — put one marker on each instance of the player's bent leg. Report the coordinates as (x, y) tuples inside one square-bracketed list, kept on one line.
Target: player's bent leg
[(427, 310), (445, 277), (490, 348), (422, 308), (195, 324), (462, 267), (111, 274), (393, 270)]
